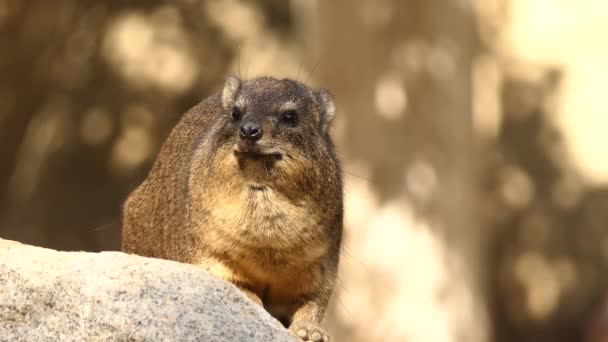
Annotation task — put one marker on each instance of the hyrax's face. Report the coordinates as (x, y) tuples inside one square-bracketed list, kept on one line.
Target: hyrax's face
[(273, 129)]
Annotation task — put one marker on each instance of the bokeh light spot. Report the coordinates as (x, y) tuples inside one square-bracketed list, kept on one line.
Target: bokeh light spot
[(96, 126), (151, 50), (390, 97), (517, 189)]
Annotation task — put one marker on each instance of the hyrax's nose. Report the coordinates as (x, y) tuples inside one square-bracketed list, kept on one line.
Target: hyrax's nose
[(251, 130)]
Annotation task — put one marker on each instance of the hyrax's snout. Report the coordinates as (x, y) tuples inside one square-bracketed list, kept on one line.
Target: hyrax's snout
[(251, 129)]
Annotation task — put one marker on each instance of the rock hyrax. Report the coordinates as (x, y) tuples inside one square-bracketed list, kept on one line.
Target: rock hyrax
[(248, 186)]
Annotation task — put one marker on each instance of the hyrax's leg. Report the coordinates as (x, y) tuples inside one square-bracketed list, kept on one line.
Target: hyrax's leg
[(309, 313), (306, 319)]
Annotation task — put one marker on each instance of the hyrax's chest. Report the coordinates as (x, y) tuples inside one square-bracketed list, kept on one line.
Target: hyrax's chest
[(262, 231)]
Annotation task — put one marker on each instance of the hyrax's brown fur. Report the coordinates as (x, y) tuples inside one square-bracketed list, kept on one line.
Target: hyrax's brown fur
[(266, 215)]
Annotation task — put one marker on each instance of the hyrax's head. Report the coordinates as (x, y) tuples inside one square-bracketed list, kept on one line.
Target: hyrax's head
[(274, 131)]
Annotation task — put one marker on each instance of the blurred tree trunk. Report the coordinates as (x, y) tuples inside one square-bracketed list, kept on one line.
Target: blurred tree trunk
[(18, 96), (400, 71), (13, 128)]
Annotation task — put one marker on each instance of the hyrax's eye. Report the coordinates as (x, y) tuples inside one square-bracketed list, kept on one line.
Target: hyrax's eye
[(236, 114), (290, 117)]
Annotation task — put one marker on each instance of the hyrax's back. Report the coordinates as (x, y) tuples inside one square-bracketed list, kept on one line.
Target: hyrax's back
[(155, 216), (248, 187)]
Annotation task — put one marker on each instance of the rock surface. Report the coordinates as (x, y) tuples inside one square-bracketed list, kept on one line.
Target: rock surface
[(111, 296)]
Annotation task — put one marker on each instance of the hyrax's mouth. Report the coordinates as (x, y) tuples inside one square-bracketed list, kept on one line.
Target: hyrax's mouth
[(251, 150)]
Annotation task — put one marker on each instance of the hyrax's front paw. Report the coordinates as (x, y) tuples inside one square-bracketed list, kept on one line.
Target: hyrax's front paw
[(309, 332)]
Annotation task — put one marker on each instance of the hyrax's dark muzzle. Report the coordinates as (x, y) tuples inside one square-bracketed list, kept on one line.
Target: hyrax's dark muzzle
[(251, 128), (250, 144)]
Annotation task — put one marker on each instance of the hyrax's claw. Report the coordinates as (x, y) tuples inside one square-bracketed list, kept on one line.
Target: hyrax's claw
[(309, 332)]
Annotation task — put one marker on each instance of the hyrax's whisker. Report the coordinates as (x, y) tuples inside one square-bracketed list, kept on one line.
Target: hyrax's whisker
[(312, 70), (298, 73)]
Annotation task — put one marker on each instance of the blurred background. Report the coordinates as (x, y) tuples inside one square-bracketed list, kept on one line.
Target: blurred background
[(472, 134)]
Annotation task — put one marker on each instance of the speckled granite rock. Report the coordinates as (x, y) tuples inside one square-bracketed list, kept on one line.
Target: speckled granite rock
[(47, 295)]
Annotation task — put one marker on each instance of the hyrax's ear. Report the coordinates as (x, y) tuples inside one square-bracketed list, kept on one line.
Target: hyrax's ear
[(230, 91), (327, 108)]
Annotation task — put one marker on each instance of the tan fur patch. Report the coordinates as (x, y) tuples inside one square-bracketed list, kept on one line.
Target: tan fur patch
[(289, 105), (241, 102)]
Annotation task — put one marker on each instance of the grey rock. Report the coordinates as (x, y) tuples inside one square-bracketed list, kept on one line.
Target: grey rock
[(47, 295)]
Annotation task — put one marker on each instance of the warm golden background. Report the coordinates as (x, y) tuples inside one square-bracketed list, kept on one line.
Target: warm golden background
[(473, 134)]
